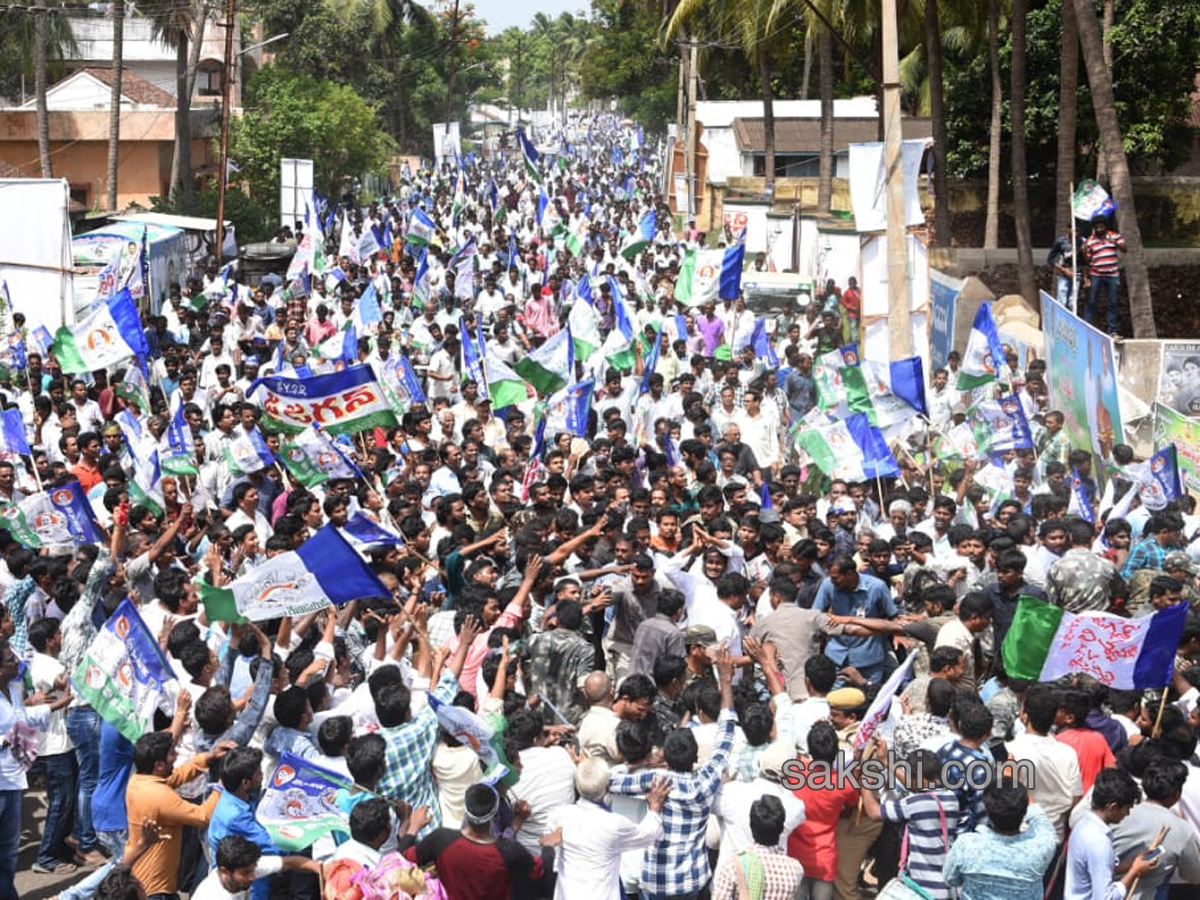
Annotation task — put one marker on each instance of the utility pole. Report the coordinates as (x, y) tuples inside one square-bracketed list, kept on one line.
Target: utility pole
[(693, 76), (453, 56), (899, 318), (226, 102)]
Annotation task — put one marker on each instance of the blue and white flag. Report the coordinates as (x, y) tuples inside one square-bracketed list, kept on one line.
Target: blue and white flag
[(12, 433), (325, 569), (569, 407), (422, 288), (984, 355), (110, 334), (364, 532), (1080, 504), (248, 453), (731, 271), (1160, 483), (472, 355), (42, 339), (651, 360), (299, 805), (764, 351), (367, 312), (643, 236), (340, 402), (670, 450), (1000, 425), (123, 674), (176, 449), (421, 228), (70, 499)]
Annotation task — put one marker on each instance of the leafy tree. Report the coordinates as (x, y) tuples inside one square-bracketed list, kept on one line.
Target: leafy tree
[(252, 221), (625, 62), (301, 116)]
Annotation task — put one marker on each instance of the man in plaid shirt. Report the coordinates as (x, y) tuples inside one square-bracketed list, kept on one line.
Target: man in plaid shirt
[(411, 741), (676, 866)]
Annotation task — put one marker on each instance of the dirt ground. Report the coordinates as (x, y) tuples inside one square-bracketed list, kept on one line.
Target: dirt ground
[(1175, 289)]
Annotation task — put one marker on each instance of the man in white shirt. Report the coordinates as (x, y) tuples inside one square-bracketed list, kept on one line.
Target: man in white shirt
[(590, 838), (239, 863), (1059, 784), (55, 749)]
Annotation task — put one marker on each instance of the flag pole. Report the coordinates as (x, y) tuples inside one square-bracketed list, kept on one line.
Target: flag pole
[(1162, 706), (36, 477)]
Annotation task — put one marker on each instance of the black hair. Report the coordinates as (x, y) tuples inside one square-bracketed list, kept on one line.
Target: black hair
[(239, 765), (235, 852), (366, 758), (680, 751), (1114, 786), (151, 748), (371, 821), (1006, 803), (974, 720), (823, 742), (290, 706), (1042, 702), (821, 672), (767, 820)]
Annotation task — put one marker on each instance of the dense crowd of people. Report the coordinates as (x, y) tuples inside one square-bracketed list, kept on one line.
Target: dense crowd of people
[(672, 622)]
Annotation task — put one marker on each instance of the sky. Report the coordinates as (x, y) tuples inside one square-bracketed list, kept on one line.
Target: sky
[(501, 14)]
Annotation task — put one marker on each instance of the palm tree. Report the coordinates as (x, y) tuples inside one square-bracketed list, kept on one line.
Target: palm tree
[(1026, 277), (825, 162), (755, 25), (40, 28), (172, 22), (114, 103), (991, 228), (1068, 90), (1091, 41), (937, 110)]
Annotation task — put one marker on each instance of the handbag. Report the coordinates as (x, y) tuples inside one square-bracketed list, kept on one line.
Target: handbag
[(902, 887)]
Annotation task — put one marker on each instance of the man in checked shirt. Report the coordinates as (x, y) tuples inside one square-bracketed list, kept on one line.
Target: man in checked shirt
[(676, 866)]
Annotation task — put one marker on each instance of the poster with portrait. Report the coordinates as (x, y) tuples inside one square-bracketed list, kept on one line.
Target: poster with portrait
[(1179, 380), (1081, 378)]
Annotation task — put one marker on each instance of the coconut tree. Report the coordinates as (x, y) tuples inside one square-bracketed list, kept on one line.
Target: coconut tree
[(1091, 42), (173, 22), (991, 226), (40, 28), (114, 102), (1068, 90), (937, 111), (825, 161), (756, 26), (1027, 278)]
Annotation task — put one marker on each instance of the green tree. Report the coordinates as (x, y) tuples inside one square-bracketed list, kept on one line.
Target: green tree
[(173, 22), (297, 115), (625, 62)]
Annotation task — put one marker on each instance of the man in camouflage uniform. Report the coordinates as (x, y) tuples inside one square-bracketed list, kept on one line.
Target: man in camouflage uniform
[(559, 659), (1082, 581), (1178, 565)]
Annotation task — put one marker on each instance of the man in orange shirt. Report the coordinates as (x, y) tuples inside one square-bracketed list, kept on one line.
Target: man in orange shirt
[(151, 797), (87, 470)]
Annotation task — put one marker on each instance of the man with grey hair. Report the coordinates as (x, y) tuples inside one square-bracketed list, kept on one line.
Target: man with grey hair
[(897, 523), (590, 838)]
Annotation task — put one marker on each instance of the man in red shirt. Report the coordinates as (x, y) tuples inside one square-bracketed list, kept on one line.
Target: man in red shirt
[(1090, 746), (814, 842), (471, 863), (1100, 252), (87, 470)]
